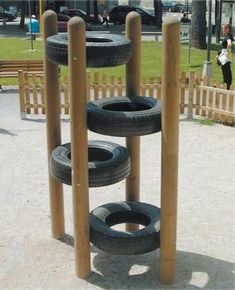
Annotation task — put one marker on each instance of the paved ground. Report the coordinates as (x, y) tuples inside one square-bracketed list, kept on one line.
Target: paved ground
[(13, 30), (148, 31), (31, 259)]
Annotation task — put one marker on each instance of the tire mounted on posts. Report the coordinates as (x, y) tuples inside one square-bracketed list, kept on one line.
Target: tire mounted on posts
[(108, 163), (102, 50), (124, 116), (116, 242)]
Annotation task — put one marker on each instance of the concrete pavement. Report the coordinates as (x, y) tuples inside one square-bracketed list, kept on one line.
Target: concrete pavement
[(32, 259)]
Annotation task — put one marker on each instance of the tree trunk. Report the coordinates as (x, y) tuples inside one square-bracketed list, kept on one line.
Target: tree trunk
[(88, 7), (96, 10), (198, 30), (22, 17), (157, 4)]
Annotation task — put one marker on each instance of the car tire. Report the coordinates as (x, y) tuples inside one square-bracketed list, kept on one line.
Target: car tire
[(102, 50), (116, 242), (124, 116), (109, 163)]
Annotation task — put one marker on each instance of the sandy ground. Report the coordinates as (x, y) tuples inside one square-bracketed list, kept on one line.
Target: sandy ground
[(31, 259)]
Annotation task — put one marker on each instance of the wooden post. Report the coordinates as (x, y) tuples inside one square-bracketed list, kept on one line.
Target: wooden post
[(182, 92), (133, 32), (21, 95), (190, 94), (230, 107), (79, 144), (96, 86), (217, 104), (197, 90), (27, 92), (88, 86), (210, 104), (170, 133), (204, 96), (52, 94)]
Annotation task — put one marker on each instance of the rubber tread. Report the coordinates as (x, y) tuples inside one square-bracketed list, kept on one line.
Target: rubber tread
[(116, 242), (101, 173), (124, 123), (106, 50)]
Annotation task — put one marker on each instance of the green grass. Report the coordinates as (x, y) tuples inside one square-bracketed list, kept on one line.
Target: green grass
[(151, 58), (18, 48), (205, 121)]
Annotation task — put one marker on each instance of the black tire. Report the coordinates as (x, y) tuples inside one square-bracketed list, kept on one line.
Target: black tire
[(102, 50), (124, 116), (109, 240), (109, 163)]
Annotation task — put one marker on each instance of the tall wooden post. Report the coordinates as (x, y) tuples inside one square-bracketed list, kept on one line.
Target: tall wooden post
[(79, 144), (170, 132), (190, 94), (133, 32), (52, 102)]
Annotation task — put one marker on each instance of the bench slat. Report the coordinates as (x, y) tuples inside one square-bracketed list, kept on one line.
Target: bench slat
[(21, 61), (15, 74), (13, 69), (10, 68)]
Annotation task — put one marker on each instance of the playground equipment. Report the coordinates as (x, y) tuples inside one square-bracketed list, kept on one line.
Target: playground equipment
[(75, 49)]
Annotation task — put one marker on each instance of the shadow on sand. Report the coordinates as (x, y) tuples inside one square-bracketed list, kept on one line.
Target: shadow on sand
[(193, 271)]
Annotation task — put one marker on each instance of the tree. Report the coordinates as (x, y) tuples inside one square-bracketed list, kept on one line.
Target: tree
[(22, 16), (157, 4), (198, 22), (95, 2)]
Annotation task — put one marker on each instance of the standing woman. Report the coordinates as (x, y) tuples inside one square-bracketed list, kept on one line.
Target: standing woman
[(225, 50)]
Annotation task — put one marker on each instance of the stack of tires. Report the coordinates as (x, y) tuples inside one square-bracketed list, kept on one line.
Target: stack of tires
[(110, 163)]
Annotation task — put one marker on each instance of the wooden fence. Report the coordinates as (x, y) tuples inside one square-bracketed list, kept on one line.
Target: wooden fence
[(213, 102)]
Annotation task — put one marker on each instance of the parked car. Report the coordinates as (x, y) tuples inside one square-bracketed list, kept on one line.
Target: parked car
[(12, 10), (7, 16), (79, 12), (118, 14), (177, 8), (174, 6), (187, 8), (62, 21), (169, 5)]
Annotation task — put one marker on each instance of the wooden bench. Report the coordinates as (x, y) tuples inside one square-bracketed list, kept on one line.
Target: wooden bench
[(10, 68)]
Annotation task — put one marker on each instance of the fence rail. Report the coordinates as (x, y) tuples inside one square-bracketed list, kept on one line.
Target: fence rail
[(213, 102)]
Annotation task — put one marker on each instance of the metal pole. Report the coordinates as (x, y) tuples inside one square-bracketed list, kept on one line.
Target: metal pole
[(220, 17), (207, 69), (30, 23), (209, 31), (189, 46), (4, 9), (40, 15)]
